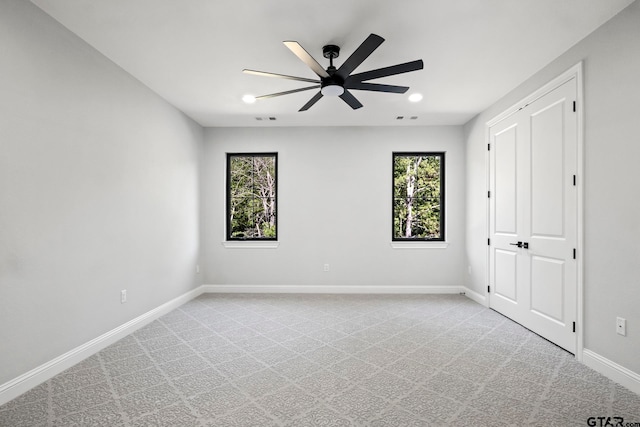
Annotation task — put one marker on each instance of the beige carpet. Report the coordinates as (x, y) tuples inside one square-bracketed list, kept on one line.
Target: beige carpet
[(326, 360)]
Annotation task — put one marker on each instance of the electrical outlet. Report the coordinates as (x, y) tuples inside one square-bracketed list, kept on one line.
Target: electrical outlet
[(325, 267), (123, 296), (621, 326), (197, 268)]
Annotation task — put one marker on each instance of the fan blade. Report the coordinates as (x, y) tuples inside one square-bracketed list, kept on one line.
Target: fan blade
[(272, 95), (306, 58), (361, 53), (351, 100), (312, 101), (388, 71), (282, 76), (376, 87)]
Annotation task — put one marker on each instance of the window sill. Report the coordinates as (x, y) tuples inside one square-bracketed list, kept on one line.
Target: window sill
[(251, 244), (419, 245)]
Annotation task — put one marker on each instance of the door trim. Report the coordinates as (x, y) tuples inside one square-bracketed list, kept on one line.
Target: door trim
[(575, 72)]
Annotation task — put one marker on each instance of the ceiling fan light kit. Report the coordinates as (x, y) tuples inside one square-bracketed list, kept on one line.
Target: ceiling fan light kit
[(332, 90), (339, 81)]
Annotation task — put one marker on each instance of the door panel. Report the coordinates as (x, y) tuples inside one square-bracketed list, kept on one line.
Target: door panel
[(507, 223), (506, 181), (547, 171), (505, 281), (547, 288)]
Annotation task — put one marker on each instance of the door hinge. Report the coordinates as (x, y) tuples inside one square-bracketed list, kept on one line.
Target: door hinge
[(574, 180), (488, 147), (489, 194), (489, 289), (574, 106), (489, 242), (574, 253), (574, 326)]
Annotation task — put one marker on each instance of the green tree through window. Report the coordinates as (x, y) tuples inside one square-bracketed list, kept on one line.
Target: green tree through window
[(251, 196), (418, 196)]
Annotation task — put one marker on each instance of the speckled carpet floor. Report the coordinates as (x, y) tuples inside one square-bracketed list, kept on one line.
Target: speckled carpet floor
[(326, 360)]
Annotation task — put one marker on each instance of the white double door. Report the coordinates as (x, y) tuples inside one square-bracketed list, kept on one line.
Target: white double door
[(533, 215)]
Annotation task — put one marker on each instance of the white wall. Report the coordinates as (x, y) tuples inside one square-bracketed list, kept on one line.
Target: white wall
[(611, 58), (334, 195), (98, 192)]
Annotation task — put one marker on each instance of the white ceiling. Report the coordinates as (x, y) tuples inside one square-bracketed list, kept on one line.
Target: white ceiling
[(192, 52)]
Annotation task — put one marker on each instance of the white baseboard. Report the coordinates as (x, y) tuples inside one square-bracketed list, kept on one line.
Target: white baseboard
[(479, 298), (331, 289), (612, 370), (14, 388)]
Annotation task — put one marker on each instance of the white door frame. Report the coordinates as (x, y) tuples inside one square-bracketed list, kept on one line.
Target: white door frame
[(574, 72)]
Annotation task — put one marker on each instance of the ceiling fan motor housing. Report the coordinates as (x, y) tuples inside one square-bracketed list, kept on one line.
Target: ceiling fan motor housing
[(334, 84)]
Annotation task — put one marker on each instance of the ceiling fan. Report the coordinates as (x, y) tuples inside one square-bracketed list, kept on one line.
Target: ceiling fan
[(338, 81)]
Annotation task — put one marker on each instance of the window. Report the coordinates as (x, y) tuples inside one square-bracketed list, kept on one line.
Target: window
[(251, 196), (418, 197)]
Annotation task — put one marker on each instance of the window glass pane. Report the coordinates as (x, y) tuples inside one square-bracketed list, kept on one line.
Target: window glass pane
[(418, 187), (251, 196)]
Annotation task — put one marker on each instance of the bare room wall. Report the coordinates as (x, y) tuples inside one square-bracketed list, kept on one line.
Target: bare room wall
[(98, 193), (334, 199)]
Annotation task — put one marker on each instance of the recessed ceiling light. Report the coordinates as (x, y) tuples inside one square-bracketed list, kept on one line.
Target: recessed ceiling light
[(415, 97), (249, 99)]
